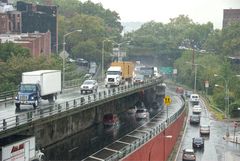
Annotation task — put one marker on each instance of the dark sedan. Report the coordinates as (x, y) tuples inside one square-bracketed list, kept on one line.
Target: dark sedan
[(198, 143), (195, 119)]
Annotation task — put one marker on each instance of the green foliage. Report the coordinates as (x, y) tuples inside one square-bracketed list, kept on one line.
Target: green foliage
[(231, 39), (10, 49)]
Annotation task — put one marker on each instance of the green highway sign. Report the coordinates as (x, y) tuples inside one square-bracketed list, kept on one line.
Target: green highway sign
[(166, 70)]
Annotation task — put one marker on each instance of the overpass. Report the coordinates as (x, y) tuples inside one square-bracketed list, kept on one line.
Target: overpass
[(58, 121)]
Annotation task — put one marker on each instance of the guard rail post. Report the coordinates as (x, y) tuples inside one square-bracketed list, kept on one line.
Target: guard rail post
[(94, 97), (99, 95), (67, 105), (41, 113), (29, 116), (75, 103), (4, 124), (109, 92), (50, 110), (82, 100), (104, 93), (59, 108), (17, 120), (113, 90), (89, 98)]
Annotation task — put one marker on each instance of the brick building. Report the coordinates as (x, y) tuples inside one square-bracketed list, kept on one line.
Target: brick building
[(10, 19), (37, 43), (39, 18), (230, 16)]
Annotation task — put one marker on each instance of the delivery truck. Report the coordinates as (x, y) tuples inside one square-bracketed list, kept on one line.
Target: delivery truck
[(118, 73), (19, 148), (37, 85)]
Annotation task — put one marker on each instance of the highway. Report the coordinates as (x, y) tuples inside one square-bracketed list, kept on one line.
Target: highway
[(97, 137), (216, 148)]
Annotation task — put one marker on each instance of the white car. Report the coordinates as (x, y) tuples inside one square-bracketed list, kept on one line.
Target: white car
[(89, 86), (204, 130), (132, 110), (197, 109), (142, 113), (194, 99)]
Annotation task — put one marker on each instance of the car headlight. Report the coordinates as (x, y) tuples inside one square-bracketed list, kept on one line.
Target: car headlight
[(32, 98), (117, 78), (16, 97)]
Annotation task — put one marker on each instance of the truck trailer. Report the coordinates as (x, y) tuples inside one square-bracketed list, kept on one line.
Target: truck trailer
[(37, 85), (118, 73), (19, 148)]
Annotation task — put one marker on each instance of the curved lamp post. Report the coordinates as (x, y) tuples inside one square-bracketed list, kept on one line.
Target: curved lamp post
[(64, 54), (226, 89)]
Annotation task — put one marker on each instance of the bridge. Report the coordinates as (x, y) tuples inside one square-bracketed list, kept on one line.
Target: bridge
[(57, 121)]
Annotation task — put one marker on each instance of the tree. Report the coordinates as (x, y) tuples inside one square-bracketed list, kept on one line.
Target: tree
[(10, 49)]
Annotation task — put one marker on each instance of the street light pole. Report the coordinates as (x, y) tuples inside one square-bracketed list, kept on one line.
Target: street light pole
[(119, 46), (195, 75), (226, 100), (64, 56), (195, 78)]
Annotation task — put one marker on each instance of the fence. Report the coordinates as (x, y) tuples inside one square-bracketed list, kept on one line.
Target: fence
[(81, 102)]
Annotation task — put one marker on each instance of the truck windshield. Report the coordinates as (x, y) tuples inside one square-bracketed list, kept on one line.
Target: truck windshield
[(27, 88), (113, 72)]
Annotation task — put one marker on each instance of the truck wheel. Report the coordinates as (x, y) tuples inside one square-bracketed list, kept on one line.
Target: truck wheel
[(35, 105)]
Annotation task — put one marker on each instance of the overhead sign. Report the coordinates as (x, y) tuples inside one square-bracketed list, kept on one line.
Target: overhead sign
[(167, 100), (166, 70)]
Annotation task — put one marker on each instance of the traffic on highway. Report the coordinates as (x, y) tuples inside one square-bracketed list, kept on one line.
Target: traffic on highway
[(213, 146)]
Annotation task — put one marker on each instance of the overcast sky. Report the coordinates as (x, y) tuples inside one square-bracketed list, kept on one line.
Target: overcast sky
[(200, 11)]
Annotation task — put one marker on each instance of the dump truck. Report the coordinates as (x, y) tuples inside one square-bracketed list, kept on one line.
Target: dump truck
[(119, 73), (19, 148), (37, 85)]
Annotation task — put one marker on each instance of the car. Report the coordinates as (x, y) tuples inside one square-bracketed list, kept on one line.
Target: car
[(204, 130), (188, 155), (179, 90), (142, 113), (110, 119), (198, 142), (188, 93), (197, 109), (89, 86), (195, 119), (194, 99), (139, 78), (132, 110)]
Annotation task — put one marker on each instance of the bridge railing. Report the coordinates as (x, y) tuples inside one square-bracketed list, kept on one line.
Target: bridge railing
[(79, 102), (7, 96)]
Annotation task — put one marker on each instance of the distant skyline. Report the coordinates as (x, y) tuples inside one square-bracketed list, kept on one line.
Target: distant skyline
[(200, 11)]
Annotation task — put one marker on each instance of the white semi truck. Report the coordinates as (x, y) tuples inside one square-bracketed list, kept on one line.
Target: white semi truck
[(37, 85), (19, 148)]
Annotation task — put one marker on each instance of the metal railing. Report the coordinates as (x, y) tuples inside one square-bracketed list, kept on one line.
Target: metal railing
[(7, 96), (80, 103)]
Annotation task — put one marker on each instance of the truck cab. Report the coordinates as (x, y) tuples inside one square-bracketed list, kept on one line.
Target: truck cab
[(28, 94), (113, 76)]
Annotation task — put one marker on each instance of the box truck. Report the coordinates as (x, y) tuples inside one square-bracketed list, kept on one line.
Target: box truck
[(19, 148), (118, 73), (37, 85)]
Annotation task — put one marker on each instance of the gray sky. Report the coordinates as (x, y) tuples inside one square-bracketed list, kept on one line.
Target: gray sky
[(200, 11)]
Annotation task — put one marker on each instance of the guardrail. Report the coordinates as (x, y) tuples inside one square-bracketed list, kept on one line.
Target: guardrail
[(10, 95), (155, 130), (80, 103), (7, 96)]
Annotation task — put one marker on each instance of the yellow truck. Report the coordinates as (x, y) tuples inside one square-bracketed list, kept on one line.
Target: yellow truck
[(119, 72)]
